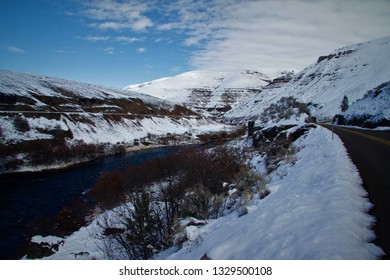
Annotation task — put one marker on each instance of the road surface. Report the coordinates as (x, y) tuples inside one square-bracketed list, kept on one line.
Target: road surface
[(370, 152)]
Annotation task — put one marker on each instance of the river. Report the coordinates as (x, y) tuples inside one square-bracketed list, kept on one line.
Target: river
[(24, 196)]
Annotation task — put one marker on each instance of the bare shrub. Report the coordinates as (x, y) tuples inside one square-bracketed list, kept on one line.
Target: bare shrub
[(222, 136), (189, 183), (246, 187), (247, 179), (137, 229), (285, 108), (276, 154), (210, 169), (21, 124), (197, 203), (109, 190)]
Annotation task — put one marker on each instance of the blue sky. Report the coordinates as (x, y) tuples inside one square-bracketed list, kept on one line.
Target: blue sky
[(121, 42)]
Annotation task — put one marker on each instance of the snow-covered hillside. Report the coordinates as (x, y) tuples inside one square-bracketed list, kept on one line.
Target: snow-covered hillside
[(371, 111), (205, 90), (350, 71), (23, 91), (320, 214), (37, 110)]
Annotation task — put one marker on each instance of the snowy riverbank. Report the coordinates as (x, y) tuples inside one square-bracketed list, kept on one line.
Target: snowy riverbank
[(317, 209)]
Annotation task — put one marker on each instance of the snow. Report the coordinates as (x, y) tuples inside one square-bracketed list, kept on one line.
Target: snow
[(350, 71), (128, 130), (178, 88), (320, 214), (100, 130), (94, 127), (37, 97), (182, 88), (375, 105), (317, 207), (26, 84)]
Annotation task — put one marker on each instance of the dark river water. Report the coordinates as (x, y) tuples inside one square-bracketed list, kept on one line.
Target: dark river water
[(27, 195)]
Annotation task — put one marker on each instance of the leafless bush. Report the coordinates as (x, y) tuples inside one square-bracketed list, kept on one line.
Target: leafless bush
[(190, 183), (197, 203), (136, 229), (246, 187), (109, 190), (21, 124), (285, 108), (222, 136), (276, 154)]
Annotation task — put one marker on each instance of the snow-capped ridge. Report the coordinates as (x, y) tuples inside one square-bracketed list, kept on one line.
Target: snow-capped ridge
[(136, 87), (203, 90), (32, 86), (350, 70)]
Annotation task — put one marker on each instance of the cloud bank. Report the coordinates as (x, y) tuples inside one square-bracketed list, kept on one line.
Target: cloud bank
[(269, 35)]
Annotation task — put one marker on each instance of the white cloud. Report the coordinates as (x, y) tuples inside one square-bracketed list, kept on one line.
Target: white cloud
[(283, 35), (97, 38), (128, 40), (109, 50), (118, 15), (14, 49), (268, 35), (140, 50), (122, 39)]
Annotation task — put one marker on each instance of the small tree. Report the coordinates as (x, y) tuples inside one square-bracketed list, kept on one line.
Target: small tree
[(344, 104), (138, 229)]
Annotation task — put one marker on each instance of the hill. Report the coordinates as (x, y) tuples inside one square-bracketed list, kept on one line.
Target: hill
[(350, 71), (371, 111), (40, 114), (206, 91)]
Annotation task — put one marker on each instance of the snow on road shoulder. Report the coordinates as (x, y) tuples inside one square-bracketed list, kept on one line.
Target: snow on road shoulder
[(317, 211)]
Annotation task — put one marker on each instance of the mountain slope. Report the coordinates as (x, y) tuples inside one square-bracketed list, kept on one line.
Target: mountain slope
[(29, 92), (371, 111), (205, 90), (43, 115), (350, 71)]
